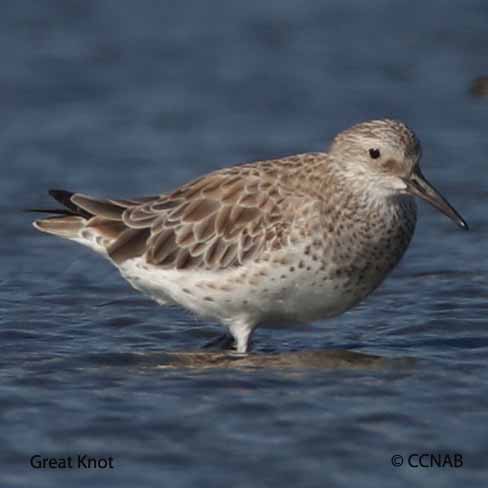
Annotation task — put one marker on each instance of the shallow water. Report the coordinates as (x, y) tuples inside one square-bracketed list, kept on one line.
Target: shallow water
[(135, 98)]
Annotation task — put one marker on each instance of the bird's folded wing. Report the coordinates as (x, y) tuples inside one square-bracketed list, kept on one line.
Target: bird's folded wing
[(218, 221)]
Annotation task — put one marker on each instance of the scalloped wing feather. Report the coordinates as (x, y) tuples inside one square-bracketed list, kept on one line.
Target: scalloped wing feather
[(216, 222)]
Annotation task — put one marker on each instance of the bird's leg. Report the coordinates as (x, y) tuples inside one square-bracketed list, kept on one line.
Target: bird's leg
[(238, 338), (223, 342), (242, 333)]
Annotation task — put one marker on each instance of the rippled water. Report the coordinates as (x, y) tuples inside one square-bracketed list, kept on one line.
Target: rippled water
[(129, 98)]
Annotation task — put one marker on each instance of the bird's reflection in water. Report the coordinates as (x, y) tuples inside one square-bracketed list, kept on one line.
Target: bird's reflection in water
[(321, 359)]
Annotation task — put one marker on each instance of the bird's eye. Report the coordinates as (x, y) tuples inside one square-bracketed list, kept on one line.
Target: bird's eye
[(374, 153)]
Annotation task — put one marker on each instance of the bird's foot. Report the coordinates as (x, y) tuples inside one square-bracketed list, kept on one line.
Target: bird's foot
[(224, 342)]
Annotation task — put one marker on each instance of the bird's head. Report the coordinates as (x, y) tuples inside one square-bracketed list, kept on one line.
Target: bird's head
[(385, 154)]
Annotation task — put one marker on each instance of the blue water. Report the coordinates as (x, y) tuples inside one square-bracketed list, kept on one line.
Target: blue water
[(132, 98)]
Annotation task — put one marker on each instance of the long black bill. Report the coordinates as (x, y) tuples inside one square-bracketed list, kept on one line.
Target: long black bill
[(418, 185)]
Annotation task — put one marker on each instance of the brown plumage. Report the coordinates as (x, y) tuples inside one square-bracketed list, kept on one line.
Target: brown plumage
[(292, 239), (217, 221)]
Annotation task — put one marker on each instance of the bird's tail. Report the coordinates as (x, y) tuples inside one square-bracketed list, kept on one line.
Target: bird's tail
[(87, 220), (64, 222)]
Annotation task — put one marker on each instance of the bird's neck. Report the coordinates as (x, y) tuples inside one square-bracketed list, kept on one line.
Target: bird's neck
[(362, 199)]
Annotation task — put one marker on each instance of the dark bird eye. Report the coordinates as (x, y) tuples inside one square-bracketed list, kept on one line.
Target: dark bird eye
[(374, 153)]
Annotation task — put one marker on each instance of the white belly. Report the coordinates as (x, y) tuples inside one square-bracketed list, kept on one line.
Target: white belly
[(279, 291)]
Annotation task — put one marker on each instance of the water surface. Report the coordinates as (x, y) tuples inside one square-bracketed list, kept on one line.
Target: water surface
[(126, 99)]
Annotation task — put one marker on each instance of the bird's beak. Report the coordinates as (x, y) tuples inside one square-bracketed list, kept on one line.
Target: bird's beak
[(418, 186)]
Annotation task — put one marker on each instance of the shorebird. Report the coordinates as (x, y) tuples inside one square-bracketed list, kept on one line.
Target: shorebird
[(289, 240)]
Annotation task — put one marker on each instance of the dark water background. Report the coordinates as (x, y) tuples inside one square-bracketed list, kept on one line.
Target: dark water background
[(131, 98)]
